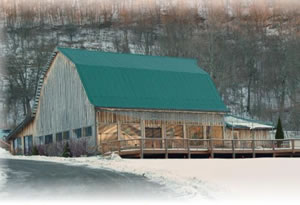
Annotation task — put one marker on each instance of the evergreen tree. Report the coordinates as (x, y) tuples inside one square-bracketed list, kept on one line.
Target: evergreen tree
[(67, 151), (35, 151), (279, 132)]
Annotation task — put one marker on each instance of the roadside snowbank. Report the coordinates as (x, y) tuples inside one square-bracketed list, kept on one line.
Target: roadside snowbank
[(219, 179), (4, 153), (3, 176)]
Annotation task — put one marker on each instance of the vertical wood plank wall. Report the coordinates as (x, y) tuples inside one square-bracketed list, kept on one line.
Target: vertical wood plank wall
[(172, 124), (63, 104)]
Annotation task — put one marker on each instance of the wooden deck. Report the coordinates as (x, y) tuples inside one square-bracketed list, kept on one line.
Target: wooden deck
[(202, 148)]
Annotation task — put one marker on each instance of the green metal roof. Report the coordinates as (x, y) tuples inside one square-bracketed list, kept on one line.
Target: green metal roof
[(144, 82)]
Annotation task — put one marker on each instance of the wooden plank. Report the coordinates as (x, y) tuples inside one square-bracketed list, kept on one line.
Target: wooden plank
[(143, 128), (119, 130), (184, 131)]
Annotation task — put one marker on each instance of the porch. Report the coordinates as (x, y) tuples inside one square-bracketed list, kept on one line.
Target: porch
[(201, 148)]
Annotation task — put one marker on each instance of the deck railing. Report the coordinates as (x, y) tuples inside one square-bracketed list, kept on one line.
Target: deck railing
[(168, 144)]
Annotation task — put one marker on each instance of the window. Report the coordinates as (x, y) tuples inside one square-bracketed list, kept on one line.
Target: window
[(153, 132), (40, 140), (48, 139), (66, 135), (78, 133), (19, 143), (208, 132), (195, 132), (15, 144), (59, 137), (87, 131)]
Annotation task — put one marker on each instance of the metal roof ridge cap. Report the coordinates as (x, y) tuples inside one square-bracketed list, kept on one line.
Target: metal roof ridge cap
[(202, 72), (118, 53)]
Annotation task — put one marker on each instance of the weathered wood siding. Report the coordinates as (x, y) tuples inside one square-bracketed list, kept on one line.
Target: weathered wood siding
[(207, 119), (113, 125), (248, 134), (63, 104)]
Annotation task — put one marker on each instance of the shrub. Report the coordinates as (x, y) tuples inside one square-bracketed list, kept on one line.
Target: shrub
[(67, 151), (35, 151)]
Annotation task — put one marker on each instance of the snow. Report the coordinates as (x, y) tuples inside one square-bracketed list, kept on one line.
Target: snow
[(4, 153), (3, 177), (246, 123), (272, 179)]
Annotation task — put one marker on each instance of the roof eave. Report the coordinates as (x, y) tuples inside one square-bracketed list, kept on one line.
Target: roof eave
[(160, 110), (15, 131)]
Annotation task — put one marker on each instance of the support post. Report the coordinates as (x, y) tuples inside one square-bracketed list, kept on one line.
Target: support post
[(293, 146), (184, 131), (188, 147), (273, 145), (273, 148), (142, 148), (119, 130), (211, 148), (204, 132), (253, 148), (23, 145), (233, 151), (142, 140), (102, 148), (166, 148)]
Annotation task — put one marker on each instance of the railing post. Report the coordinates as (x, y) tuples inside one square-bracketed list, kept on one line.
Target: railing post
[(233, 151), (142, 148), (211, 148), (253, 148), (166, 148), (273, 145), (293, 146), (188, 147), (119, 147), (273, 148), (102, 148)]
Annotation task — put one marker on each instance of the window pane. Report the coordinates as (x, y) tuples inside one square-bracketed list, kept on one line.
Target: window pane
[(153, 132), (19, 142), (40, 140), (58, 137), (66, 135), (48, 139), (88, 131), (78, 133), (195, 132)]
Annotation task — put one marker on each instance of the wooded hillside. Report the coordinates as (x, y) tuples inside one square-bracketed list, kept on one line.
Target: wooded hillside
[(251, 49)]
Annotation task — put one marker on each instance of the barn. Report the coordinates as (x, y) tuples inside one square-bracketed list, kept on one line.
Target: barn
[(102, 101)]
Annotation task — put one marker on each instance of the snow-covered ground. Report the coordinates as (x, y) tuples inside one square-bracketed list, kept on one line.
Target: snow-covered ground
[(3, 176), (262, 180)]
